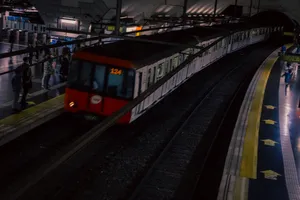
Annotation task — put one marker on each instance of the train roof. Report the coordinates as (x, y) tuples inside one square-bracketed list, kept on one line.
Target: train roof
[(143, 53)]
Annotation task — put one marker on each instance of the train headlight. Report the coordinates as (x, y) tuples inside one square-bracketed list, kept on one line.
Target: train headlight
[(72, 104)]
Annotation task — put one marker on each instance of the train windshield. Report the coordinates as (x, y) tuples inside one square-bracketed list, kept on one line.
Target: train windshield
[(101, 79)]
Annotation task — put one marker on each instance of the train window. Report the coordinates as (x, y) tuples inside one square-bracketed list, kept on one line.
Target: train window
[(175, 62), (160, 71), (120, 84), (81, 74), (85, 76), (74, 72), (129, 84), (154, 75), (192, 51), (168, 65), (99, 78), (140, 83), (149, 78), (185, 56), (182, 56)]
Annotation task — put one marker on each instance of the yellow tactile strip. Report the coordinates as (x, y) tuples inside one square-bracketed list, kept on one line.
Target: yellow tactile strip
[(30, 115)]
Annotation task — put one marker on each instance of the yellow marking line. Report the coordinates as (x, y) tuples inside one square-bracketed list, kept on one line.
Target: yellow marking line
[(30, 112), (249, 156)]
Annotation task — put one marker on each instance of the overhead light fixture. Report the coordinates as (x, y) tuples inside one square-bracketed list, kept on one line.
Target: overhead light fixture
[(67, 21)]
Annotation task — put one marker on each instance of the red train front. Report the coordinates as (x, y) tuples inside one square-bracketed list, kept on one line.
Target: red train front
[(99, 85)]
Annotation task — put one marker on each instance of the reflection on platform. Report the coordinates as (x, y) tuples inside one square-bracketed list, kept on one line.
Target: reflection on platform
[(289, 98), (10, 63)]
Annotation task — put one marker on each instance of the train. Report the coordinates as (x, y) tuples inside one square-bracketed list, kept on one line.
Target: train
[(104, 78)]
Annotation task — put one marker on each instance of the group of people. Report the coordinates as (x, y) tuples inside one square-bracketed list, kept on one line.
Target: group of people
[(22, 79)]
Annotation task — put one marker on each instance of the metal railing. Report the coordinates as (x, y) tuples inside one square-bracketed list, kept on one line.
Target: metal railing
[(41, 62)]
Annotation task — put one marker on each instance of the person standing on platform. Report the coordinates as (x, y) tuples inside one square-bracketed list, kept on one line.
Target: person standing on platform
[(64, 69), (30, 48), (283, 49), (287, 77), (17, 87), (12, 40), (27, 81), (48, 71)]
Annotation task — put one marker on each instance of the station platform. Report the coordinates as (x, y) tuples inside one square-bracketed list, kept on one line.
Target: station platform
[(263, 156), (43, 105)]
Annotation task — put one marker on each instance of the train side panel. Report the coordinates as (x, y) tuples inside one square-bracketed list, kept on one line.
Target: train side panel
[(228, 45)]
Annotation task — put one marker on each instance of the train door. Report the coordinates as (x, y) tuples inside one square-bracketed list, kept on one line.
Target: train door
[(154, 75), (167, 65), (160, 71), (175, 62), (149, 80), (140, 83), (96, 102), (229, 43)]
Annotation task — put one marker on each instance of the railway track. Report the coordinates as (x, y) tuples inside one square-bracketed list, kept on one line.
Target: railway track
[(26, 154), (113, 166), (165, 175)]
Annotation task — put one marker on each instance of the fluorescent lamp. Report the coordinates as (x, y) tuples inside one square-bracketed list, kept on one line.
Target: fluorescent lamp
[(66, 21)]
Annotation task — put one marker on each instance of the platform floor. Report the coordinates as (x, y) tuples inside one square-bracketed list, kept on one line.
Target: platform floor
[(270, 181), (263, 160), (278, 166)]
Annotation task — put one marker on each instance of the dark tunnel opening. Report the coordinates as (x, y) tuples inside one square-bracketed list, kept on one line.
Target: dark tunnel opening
[(274, 18)]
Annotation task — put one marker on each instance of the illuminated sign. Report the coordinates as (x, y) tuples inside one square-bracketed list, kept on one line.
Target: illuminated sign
[(116, 71), (288, 34), (17, 18), (138, 28), (112, 28), (291, 58), (68, 21)]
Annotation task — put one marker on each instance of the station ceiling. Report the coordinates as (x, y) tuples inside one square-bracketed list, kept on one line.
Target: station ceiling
[(141, 9)]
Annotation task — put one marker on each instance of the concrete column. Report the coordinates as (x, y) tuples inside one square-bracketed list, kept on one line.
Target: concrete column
[(184, 9), (215, 8), (258, 6), (118, 16), (250, 9), (235, 8)]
